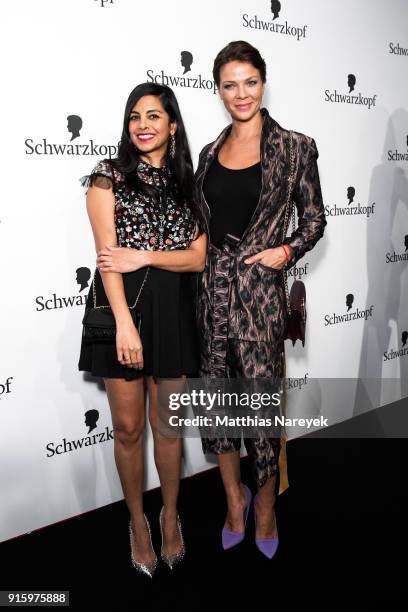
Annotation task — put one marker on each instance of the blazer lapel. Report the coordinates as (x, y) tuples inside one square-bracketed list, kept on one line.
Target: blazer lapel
[(272, 164)]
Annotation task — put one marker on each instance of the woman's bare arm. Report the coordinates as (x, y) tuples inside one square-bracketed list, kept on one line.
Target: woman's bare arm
[(181, 260), (100, 204), (192, 259)]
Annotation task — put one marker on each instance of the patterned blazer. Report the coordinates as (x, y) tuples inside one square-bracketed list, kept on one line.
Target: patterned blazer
[(247, 302)]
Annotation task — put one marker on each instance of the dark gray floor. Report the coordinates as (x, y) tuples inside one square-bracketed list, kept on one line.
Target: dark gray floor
[(343, 538)]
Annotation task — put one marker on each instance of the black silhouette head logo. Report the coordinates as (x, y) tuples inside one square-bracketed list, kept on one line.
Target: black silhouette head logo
[(74, 125), (82, 277), (351, 192), (186, 60), (275, 8), (406, 242), (404, 337), (351, 81), (349, 300), (91, 419)]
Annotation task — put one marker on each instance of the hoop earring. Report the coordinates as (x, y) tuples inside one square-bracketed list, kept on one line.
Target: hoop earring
[(172, 146)]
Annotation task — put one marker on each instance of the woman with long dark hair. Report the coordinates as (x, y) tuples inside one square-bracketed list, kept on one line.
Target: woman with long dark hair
[(149, 241), (241, 186)]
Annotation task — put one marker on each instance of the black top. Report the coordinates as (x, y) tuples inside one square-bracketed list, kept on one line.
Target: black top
[(232, 196)]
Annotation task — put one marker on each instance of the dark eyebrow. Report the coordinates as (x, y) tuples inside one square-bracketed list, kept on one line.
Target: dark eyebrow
[(254, 76), (156, 110)]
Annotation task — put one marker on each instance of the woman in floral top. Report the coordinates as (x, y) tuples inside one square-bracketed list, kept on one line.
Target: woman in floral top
[(149, 235)]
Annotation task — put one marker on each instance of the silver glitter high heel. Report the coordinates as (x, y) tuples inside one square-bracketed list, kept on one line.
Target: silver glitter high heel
[(172, 560), (144, 568)]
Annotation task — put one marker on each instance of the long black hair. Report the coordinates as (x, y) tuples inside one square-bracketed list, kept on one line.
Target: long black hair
[(179, 169)]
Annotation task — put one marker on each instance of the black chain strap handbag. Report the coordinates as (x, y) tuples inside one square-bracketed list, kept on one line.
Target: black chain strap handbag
[(296, 300), (99, 321)]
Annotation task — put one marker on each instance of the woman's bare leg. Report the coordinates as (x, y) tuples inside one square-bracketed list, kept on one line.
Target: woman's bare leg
[(265, 511), (230, 469), (167, 456), (126, 401)]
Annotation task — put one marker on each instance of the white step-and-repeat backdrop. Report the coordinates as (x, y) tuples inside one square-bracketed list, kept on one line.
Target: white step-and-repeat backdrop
[(337, 71)]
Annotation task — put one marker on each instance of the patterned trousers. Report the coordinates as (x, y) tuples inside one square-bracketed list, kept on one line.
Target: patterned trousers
[(247, 359)]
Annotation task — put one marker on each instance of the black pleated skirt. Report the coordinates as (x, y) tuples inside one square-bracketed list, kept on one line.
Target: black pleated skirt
[(168, 330)]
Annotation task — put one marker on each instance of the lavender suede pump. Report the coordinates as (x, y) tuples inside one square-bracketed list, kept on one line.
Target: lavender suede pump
[(232, 538), (267, 546)]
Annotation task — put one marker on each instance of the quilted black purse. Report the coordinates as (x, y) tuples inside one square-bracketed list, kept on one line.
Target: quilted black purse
[(296, 300), (99, 321)]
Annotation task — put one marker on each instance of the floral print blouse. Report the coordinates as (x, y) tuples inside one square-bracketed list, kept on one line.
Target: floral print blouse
[(140, 221)]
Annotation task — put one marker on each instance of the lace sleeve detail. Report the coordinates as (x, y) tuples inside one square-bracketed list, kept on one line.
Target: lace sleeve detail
[(103, 176)]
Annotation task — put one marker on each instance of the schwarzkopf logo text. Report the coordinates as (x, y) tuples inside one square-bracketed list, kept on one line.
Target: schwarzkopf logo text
[(255, 23), (398, 155), (396, 257), (351, 208), (335, 318), (296, 383), (74, 127), (55, 303), (348, 98), (397, 50), (192, 82), (5, 388), (67, 446), (402, 352), (298, 271)]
